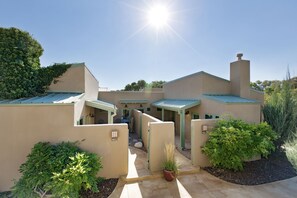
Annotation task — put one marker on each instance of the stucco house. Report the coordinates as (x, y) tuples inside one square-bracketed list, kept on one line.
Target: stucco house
[(199, 95), (74, 109)]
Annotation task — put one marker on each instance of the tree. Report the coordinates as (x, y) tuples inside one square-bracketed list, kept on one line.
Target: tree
[(280, 109), (157, 84), (135, 86), (141, 84), (19, 62), (20, 71)]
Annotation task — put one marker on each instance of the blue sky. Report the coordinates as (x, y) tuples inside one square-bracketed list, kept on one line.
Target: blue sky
[(204, 35)]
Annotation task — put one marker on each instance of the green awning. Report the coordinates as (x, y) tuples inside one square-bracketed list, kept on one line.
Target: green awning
[(133, 101), (98, 104), (176, 104)]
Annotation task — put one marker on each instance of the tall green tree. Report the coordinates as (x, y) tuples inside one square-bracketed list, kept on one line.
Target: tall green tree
[(141, 84), (135, 86), (280, 109), (156, 84), (19, 63)]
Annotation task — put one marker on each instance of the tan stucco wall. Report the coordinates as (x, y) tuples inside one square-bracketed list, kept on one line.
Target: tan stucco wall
[(161, 133), (91, 85), (73, 80), (215, 85), (193, 86), (247, 112), (77, 78), (198, 140), (137, 115), (257, 95), (24, 126), (146, 119)]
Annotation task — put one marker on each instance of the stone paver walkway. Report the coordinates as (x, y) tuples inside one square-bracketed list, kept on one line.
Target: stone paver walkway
[(203, 185), (141, 183)]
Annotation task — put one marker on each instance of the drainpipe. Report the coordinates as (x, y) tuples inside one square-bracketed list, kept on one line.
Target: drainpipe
[(112, 116)]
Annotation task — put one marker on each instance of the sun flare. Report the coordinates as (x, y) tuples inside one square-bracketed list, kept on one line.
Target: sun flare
[(158, 16)]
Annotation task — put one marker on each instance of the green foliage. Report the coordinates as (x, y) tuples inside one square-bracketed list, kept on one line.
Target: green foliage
[(156, 84), (46, 75), (61, 169), (170, 166), (135, 86), (79, 173), (280, 110), (19, 61), (170, 162), (141, 84), (291, 151), (232, 141), (20, 71)]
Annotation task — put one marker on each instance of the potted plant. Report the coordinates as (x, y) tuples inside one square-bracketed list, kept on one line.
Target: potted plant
[(170, 166)]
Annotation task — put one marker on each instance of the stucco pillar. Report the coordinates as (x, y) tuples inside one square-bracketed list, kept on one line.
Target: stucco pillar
[(182, 128)]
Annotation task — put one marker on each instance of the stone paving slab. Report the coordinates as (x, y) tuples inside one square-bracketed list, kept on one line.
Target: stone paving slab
[(203, 185)]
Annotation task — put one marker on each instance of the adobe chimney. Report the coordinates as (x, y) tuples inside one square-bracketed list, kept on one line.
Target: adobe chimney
[(240, 77)]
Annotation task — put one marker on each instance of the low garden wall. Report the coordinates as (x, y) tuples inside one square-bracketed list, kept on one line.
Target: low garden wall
[(146, 119), (137, 115), (161, 133), (24, 126), (198, 139)]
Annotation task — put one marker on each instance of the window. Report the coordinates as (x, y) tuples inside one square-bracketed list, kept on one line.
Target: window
[(159, 109), (217, 116), (148, 109), (195, 116), (81, 121), (207, 116)]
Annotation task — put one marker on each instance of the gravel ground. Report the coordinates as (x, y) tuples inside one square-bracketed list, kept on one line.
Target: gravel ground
[(105, 187), (276, 167)]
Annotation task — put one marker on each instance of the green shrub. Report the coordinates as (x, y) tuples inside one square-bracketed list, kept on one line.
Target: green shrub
[(170, 162), (280, 110), (61, 169), (291, 151), (232, 141)]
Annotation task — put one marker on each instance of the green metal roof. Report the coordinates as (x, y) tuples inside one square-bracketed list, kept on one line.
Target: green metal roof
[(176, 104), (98, 104), (133, 101), (49, 98), (230, 99)]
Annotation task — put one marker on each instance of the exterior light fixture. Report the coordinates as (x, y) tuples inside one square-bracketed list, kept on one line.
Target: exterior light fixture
[(204, 129), (114, 135)]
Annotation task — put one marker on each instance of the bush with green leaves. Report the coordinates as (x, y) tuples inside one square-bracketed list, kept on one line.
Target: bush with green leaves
[(62, 170), (19, 61), (232, 141), (20, 71)]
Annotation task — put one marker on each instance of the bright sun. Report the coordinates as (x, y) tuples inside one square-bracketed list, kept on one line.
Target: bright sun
[(158, 16)]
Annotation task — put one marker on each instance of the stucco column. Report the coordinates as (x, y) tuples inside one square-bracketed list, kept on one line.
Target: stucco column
[(182, 128)]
